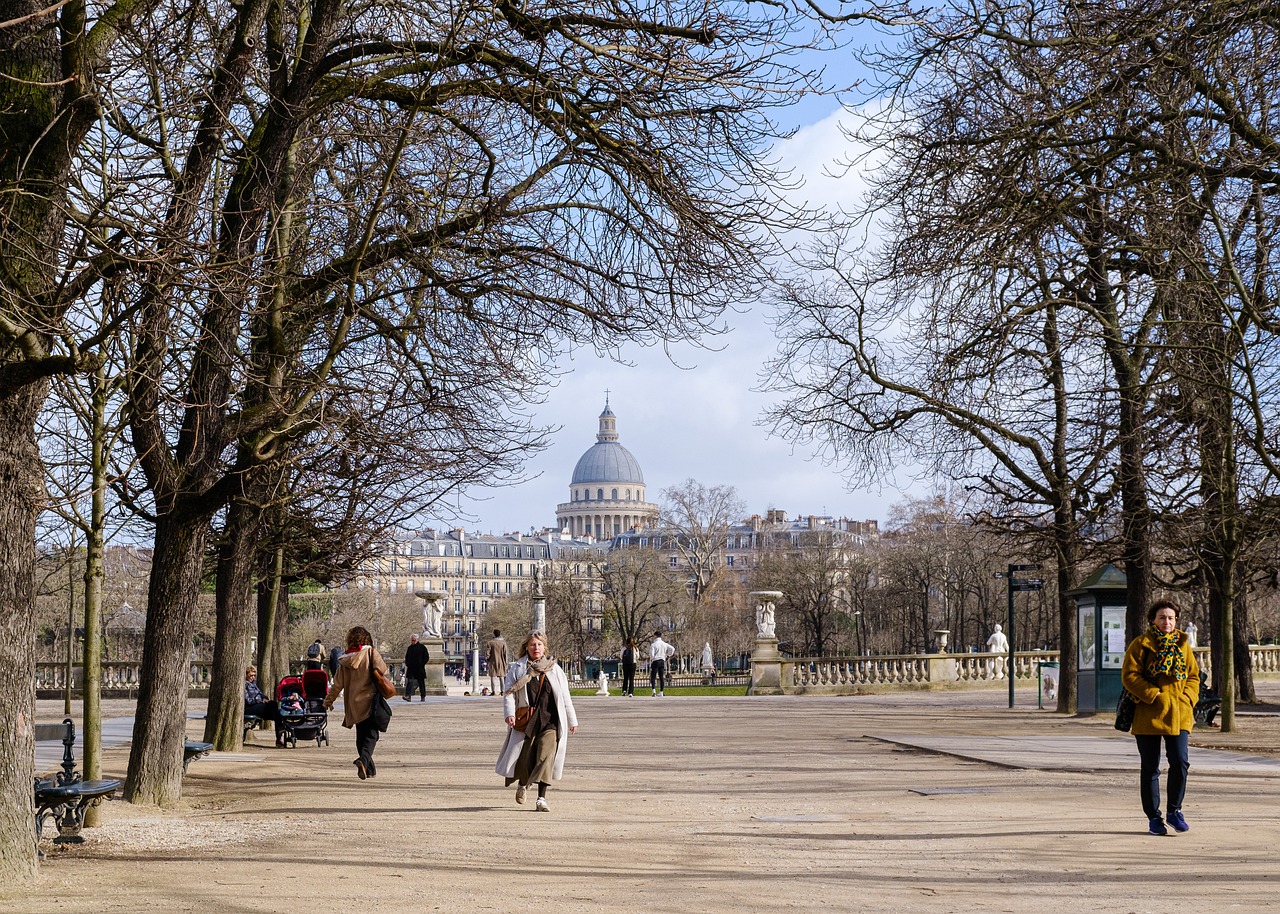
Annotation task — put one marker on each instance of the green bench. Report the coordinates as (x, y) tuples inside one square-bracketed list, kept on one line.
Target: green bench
[(67, 796)]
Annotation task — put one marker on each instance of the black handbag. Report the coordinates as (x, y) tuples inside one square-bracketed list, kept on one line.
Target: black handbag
[(380, 710), (1125, 706)]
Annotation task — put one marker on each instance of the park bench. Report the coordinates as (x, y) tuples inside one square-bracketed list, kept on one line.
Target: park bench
[(1209, 705), (66, 796), (192, 750), (251, 722)]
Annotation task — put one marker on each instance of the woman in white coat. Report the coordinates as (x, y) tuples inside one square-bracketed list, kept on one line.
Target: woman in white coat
[(537, 689)]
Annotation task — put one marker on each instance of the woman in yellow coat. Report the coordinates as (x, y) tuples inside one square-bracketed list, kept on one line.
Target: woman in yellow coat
[(1161, 673)]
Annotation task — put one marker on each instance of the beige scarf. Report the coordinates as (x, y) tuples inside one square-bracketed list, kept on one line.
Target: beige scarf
[(536, 668)]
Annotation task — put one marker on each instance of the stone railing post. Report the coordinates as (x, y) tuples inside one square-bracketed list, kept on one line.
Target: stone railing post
[(942, 667), (432, 638), (766, 661)]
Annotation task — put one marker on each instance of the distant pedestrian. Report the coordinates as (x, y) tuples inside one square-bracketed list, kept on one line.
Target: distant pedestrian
[(536, 687), (313, 657), (496, 657), (629, 668), (659, 653), (416, 656), (1161, 673), (334, 656)]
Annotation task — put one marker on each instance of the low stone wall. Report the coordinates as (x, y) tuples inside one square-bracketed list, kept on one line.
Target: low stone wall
[(796, 675)]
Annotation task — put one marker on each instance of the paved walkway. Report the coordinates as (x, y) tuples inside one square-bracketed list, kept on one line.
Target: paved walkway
[(899, 803), (1080, 753)]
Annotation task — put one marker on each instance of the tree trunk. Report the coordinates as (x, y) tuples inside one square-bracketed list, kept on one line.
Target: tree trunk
[(91, 681), (280, 643), (237, 555), (269, 656), (155, 759), (21, 494), (1245, 690)]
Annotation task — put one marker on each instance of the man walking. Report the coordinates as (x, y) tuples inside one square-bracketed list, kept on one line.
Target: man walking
[(415, 668), (659, 653), (496, 656)]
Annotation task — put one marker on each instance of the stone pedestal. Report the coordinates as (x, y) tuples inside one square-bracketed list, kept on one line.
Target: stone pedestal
[(766, 668), (435, 665), (942, 668)]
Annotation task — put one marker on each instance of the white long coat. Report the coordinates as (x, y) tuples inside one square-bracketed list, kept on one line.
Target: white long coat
[(514, 741)]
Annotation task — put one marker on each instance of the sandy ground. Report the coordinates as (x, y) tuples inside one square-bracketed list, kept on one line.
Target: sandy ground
[(681, 805)]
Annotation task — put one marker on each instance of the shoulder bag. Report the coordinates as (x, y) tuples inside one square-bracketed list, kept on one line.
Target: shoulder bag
[(381, 684), (1125, 706), (379, 710), (524, 716)]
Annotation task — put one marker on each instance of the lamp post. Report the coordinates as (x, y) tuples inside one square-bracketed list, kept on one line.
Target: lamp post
[(475, 662), (1016, 584)]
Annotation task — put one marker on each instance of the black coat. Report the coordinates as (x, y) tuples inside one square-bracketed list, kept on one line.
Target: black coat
[(415, 660)]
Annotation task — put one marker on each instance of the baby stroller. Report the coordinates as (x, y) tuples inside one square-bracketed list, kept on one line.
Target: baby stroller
[(301, 703)]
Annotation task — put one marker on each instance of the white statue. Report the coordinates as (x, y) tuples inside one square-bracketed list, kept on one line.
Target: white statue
[(604, 683), (708, 664), (764, 620), (1192, 632), (997, 644), (432, 615)]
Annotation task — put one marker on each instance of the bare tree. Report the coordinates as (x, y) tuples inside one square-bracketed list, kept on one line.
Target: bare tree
[(640, 591), (698, 519)]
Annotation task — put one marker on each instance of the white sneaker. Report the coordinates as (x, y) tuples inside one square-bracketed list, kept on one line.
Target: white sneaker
[(655, 693), (662, 694), (541, 805), (520, 793)]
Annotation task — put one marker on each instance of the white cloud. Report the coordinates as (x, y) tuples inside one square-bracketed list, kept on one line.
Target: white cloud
[(698, 420)]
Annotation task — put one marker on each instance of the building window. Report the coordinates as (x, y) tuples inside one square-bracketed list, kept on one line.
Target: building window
[(508, 587), (599, 494), (484, 606), (674, 561), (457, 606), (614, 496), (728, 560), (520, 570), (471, 606)]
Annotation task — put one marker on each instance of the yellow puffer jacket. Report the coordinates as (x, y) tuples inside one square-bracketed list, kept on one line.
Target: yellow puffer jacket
[(1166, 706)]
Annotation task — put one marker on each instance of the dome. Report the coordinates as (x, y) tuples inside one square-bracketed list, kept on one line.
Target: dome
[(607, 461)]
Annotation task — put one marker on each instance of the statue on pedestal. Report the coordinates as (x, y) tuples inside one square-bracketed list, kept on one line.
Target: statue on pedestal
[(432, 614), (764, 619)]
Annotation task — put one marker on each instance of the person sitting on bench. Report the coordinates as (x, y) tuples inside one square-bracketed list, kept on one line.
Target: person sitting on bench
[(256, 704)]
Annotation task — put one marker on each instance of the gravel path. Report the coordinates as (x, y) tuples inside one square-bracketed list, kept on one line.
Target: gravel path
[(680, 805)]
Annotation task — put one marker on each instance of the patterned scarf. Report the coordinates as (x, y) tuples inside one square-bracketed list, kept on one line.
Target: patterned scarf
[(1169, 659), (536, 668)]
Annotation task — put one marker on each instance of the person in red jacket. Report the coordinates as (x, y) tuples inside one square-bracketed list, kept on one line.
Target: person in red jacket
[(1161, 673)]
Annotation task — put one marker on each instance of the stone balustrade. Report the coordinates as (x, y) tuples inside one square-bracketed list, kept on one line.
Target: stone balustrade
[(799, 674), (805, 673)]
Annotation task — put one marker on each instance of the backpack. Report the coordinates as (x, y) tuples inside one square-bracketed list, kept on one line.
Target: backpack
[(314, 650)]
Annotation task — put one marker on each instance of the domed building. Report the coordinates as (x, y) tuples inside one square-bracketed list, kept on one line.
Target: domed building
[(606, 494)]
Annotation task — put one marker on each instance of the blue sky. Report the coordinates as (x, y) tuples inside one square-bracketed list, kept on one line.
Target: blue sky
[(692, 414)]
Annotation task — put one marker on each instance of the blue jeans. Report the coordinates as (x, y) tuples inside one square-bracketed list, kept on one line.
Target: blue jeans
[(1175, 748)]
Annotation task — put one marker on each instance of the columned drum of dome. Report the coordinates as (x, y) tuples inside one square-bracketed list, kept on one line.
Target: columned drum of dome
[(606, 493)]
